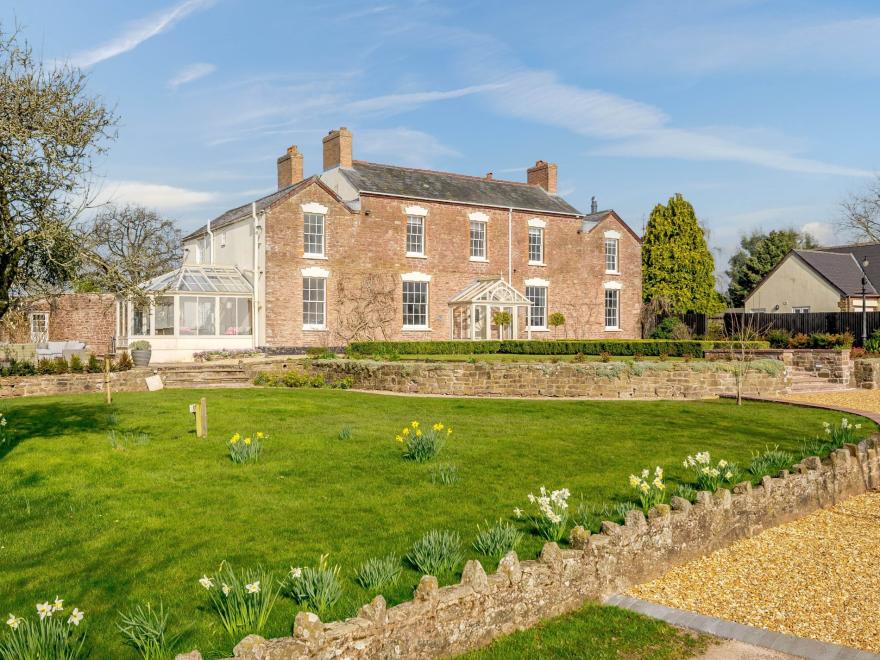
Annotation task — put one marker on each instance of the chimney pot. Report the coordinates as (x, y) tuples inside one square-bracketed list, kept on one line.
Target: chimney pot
[(543, 174), (337, 149), (594, 205), (290, 167)]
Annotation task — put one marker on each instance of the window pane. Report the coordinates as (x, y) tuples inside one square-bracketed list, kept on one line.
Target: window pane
[(537, 295), (415, 304), (189, 315), (313, 234), (165, 316), (314, 299), (536, 244), (612, 318), (478, 240), (207, 326), (140, 320), (228, 313), (415, 234), (244, 316), (611, 254)]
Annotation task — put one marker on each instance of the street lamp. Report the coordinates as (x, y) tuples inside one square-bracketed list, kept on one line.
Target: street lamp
[(864, 265)]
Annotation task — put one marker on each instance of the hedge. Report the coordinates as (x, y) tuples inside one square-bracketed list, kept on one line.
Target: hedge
[(670, 347)]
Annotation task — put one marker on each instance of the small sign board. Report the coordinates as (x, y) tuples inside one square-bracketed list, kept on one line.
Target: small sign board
[(154, 383)]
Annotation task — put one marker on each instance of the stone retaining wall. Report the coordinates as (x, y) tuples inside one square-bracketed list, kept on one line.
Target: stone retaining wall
[(450, 620), (831, 364), (120, 381), (612, 380), (867, 373)]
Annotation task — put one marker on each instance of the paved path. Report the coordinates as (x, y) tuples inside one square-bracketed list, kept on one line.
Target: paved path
[(742, 651)]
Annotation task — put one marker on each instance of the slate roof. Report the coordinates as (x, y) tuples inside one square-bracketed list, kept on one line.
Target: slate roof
[(859, 251), (840, 268), (443, 186)]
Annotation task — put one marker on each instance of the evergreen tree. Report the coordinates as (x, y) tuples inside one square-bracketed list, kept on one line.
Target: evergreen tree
[(677, 265), (759, 253)]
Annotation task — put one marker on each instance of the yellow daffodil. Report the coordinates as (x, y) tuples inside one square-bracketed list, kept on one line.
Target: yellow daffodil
[(398, 438), (234, 439), (405, 431), (260, 435), (438, 426), (247, 441), (418, 433), (415, 424), (449, 431)]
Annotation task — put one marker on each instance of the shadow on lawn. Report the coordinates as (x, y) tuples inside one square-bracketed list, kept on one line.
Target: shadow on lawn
[(41, 419)]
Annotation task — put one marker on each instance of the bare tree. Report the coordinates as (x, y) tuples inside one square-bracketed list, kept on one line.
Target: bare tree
[(50, 132), (743, 332), (861, 213), (129, 245), (366, 307)]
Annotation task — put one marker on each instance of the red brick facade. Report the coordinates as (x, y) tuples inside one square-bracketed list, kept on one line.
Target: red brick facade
[(366, 257), (87, 317)]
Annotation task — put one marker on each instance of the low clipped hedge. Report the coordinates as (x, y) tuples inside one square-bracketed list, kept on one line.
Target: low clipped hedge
[(669, 347)]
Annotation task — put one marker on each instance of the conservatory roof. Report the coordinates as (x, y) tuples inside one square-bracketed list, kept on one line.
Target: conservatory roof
[(489, 290), (201, 279)]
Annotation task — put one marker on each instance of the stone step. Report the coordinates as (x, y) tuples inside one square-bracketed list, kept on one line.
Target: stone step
[(206, 385), (206, 375)]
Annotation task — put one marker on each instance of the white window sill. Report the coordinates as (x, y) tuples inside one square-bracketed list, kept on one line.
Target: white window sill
[(314, 256), (608, 329), (538, 329), (314, 327), (537, 263), (612, 272), (416, 328), (416, 255), (480, 260)]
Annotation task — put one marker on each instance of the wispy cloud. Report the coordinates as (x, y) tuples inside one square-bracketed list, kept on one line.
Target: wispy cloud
[(154, 195), (138, 32), (363, 13), (190, 73), (408, 101), (405, 146)]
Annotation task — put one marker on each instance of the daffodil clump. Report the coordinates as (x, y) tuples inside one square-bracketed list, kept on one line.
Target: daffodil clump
[(551, 519), (845, 433), (246, 449), (319, 586), (3, 424), (650, 491), (708, 476), (243, 600), (420, 444), (54, 635)]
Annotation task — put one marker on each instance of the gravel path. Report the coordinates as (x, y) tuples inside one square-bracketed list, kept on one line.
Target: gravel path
[(867, 400), (815, 577)]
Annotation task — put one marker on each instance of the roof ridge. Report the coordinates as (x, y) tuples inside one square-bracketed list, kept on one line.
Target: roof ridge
[(457, 174)]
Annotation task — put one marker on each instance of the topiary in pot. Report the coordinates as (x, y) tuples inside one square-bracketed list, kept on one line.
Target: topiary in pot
[(141, 352)]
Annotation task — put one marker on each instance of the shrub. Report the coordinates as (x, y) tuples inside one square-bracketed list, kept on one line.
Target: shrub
[(420, 445), (711, 477), (18, 368), (139, 345), (345, 433), (436, 553), (675, 348), (686, 491), (800, 340), (502, 319), (857, 353), (872, 343), (770, 461), (209, 356), (551, 519), (318, 586), (243, 600), (605, 356), (779, 338), (299, 379), (146, 630), (650, 492), (246, 450), (76, 365), (591, 516), (445, 474), (671, 328), (45, 367), (93, 365), (379, 572), (828, 340), (320, 353), (498, 539), (123, 362), (48, 637), (556, 320)]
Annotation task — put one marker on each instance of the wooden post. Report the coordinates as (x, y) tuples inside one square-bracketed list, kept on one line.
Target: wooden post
[(203, 415), (107, 379)]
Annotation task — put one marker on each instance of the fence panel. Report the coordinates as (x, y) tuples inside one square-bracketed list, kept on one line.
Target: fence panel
[(830, 322)]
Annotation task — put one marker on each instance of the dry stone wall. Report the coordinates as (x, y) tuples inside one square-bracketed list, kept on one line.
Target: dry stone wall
[(120, 381), (445, 621)]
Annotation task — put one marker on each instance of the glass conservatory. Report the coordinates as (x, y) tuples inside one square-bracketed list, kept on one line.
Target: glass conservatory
[(472, 310), (191, 309)]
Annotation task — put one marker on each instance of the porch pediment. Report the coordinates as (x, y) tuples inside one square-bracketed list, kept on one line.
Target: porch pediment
[(494, 290)]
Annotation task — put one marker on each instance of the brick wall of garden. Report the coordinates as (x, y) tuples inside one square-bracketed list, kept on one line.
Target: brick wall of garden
[(453, 619), (612, 380)]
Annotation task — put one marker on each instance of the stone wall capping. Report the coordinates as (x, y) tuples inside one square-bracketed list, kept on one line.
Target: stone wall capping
[(474, 576), (510, 568), (427, 589), (376, 610), (579, 537), (635, 519), (680, 504), (658, 512), (551, 555), (704, 499), (743, 488), (307, 627), (812, 463), (609, 528), (767, 484)]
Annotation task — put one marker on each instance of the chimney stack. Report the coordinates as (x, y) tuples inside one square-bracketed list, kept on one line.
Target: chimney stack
[(543, 174), (337, 149), (594, 205), (290, 167), (489, 176)]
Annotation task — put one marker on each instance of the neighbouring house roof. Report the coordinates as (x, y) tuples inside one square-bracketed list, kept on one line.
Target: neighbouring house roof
[(859, 251), (447, 187), (840, 269), (200, 279), (489, 290)]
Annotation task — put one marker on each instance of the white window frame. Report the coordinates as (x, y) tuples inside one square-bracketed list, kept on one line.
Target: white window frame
[(314, 273), (536, 228), (480, 224), (613, 242), (414, 219), (416, 278), (616, 288), (315, 209), (32, 316), (537, 284), (800, 310)]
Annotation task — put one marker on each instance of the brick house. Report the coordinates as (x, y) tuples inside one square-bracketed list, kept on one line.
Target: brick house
[(87, 317), (365, 250)]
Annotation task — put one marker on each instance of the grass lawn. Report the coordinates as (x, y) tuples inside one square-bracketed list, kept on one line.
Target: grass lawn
[(524, 357), (609, 633), (105, 528)]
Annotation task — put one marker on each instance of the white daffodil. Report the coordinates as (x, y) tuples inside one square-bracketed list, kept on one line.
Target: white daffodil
[(58, 605), (206, 582), (296, 573), (13, 622), (253, 587), (517, 512), (226, 589), (75, 617), (44, 610)]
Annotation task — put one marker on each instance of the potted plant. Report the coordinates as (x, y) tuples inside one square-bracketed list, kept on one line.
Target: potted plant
[(141, 352)]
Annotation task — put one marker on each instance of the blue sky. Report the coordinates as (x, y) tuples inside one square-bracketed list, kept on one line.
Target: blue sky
[(764, 114)]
